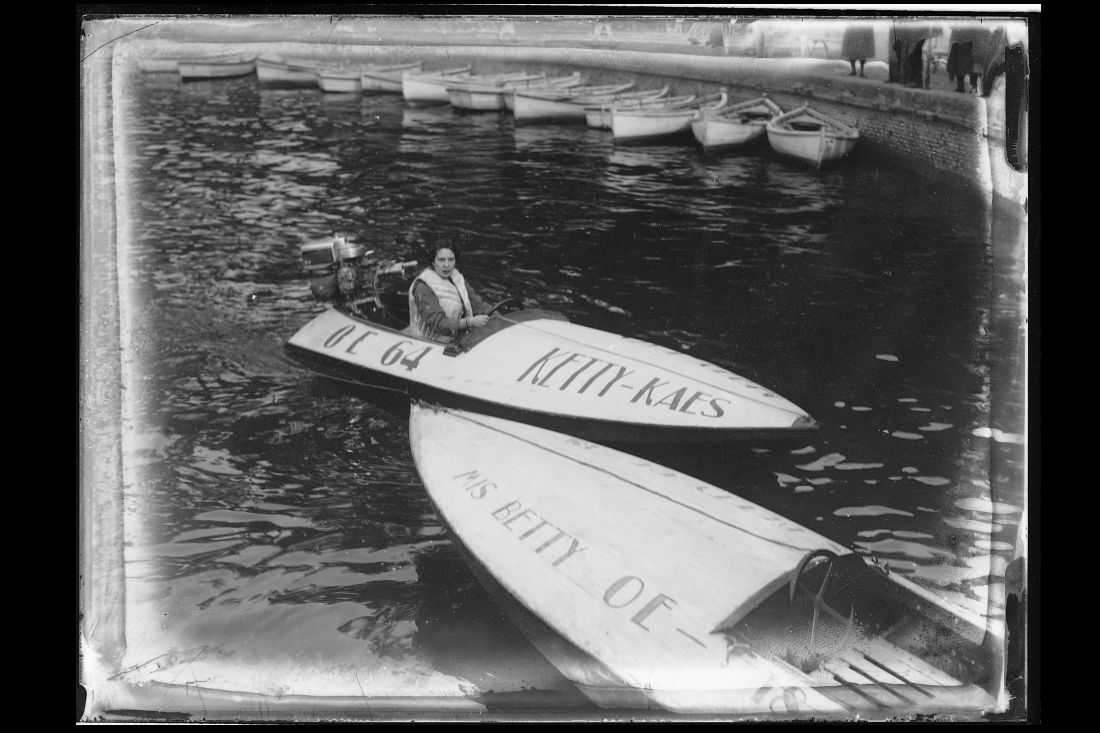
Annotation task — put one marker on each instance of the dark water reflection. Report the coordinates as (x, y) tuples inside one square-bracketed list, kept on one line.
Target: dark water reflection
[(860, 293)]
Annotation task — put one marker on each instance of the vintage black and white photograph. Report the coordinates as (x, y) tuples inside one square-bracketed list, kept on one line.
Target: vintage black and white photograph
[(586, 364)]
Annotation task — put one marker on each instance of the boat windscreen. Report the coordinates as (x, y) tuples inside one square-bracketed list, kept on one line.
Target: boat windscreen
[(500, 322)]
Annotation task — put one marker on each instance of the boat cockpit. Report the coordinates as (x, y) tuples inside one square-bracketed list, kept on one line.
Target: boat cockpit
[(368, 288)]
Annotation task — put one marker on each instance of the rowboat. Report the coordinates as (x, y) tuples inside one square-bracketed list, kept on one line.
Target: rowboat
[(735, 124), (221, 67), (531, 364), (350, 81), (340, 80), (431, 87), (386, 78), (599, 115), (555, 83), (810, 136), (561, 104), (649, 123), (275, 70), (490, 97), (649, 589)]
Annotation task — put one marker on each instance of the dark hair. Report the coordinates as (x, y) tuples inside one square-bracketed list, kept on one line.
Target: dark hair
[(433, 249)]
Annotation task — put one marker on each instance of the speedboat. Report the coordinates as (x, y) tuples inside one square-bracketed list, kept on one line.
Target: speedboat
[(649, 589), (526, 364)]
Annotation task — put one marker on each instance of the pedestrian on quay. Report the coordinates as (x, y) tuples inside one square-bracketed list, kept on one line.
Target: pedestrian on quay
[(970, 49), (858, 45)]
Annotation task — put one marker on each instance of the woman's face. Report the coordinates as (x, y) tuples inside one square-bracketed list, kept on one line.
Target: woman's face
[(444, 262)]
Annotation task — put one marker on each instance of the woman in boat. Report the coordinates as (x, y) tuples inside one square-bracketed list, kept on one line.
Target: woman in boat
[(442, 306)]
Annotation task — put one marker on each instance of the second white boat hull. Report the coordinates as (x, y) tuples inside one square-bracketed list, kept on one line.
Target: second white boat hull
[(340, 84), (528, 108), (629, 125), (814, 148), (269, 72), (714, 132), (477, 100)]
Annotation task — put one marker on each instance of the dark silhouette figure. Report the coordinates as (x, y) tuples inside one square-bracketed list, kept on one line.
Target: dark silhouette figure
[(858, 45), (906, 63), (969, 54)]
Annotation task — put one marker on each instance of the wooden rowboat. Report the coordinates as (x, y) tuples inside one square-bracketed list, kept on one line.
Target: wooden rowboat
[(650, 123), (532, 365), (275, 70), (432, 88), (350, 81), (388, 78), (811, 137), (649, 589), (222, 67), (481, 95), (735, 124), (562, 104), (556, 83), (599, 115)]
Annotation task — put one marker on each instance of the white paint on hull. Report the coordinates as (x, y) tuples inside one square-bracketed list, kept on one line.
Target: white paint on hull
[(647, 574), (562, 370)]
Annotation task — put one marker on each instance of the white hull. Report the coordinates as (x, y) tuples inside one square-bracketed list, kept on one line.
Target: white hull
[(649, 588), (713, 132), (817, 149), (599, 116), (484, 100), (635, 125), (387, 79), (543, 105), (528, 108), (273, 72), (559, 374), (648, 123), (344, 83), (216, 69), (428, 89), (829, 142)]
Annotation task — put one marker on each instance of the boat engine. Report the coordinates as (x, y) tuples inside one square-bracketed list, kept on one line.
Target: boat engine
[(345, 271)]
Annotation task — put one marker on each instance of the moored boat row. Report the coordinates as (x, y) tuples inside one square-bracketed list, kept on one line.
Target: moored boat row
[(632, 115)]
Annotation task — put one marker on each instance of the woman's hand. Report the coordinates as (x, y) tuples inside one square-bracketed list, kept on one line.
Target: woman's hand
[(477, 321)]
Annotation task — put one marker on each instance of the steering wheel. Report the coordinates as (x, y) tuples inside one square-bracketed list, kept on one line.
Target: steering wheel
[(503, 303), (832, 560)]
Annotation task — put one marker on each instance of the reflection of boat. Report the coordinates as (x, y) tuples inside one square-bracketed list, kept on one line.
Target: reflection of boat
[(648, 588), (490, 97), (220, 67), (599, 115), (386, 78), (431, 87), (648, 123), (274, 70), (810, 136), (562, 104), (735, 124), (531, 365)]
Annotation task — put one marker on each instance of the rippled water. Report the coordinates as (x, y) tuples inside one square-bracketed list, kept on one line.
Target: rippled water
[(278, 520)]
